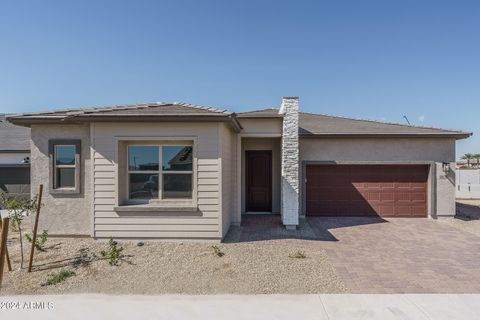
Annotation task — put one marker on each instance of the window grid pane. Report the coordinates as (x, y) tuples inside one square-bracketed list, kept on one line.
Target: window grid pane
[(65, 177), (176, 186), (143, 186), (177, 158), (64, 155), (147, 178), (143, 158), (65, 165)]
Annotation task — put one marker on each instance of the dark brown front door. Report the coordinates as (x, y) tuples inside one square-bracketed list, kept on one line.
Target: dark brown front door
[(258, 166), (367, 190)]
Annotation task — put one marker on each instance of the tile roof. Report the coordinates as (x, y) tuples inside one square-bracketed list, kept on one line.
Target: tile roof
[(154, 111), (327, 125), (12, 137), (154, 108), (310, 124), (260, 113)]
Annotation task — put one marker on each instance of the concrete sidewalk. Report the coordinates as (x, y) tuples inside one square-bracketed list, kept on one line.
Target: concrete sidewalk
[(344, 306)]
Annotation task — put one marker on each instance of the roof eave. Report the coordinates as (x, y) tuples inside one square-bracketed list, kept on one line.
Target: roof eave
[(14, 150), (247, 116), (457, 136), (77, 119)]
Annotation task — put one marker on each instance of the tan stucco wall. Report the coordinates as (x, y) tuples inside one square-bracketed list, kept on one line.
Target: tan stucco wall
[(228, 183), (399, 150), (62, 214), (261, 126), (445, 190), (272, 144)]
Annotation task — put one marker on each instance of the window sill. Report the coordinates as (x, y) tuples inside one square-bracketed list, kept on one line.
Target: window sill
[(155, 208), (65, 191)]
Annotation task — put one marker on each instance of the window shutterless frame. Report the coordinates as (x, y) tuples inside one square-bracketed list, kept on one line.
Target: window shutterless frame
[(160, 172), (53, 166)]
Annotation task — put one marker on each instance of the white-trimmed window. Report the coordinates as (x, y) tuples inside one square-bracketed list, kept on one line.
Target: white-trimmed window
[(157, 171)]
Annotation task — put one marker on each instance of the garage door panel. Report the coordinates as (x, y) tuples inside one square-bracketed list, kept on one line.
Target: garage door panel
[(364, 190)]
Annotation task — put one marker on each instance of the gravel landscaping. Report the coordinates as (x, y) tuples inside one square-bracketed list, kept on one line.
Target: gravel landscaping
[(256, 267), (467, 217)]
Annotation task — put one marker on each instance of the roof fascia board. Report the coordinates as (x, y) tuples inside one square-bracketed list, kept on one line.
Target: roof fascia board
[(457, 136)]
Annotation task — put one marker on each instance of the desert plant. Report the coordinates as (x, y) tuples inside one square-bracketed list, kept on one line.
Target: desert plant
[(59, 276), (40, 242), (217, 251), (113, 253), (17, 209), (298, 255)]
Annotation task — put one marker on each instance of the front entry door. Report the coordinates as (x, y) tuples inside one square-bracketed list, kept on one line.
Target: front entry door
[(258, 166)]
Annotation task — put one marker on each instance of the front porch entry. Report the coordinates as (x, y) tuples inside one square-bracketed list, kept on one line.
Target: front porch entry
[(260, 175), (258, 180)]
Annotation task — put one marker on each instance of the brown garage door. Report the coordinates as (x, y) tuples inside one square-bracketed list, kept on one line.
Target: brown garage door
[(366, 190)]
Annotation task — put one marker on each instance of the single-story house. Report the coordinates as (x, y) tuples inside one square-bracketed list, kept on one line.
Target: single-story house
[(14, 159), (181, 171)]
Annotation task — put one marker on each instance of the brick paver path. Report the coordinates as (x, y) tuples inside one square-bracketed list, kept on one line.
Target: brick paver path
[(374, 255)]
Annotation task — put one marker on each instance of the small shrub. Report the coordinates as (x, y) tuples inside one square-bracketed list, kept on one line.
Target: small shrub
[(58, 277), (298, 255), (113, 253), (40, 242), (217, 251)]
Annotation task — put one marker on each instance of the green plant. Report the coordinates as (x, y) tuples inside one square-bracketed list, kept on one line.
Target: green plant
[(217, 251), (298, 255), (40, 242), (17, 209), (58, 277), (113, 253)]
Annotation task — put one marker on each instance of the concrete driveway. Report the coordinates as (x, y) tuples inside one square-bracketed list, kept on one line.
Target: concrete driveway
[(375, 255), (242, 307)]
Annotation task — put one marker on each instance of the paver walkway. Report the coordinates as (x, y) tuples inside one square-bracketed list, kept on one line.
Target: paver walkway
[(374, 255)]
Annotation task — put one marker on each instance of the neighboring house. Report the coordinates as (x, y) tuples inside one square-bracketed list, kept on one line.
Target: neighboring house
[(474, 163), (14, 159), (175, 170)]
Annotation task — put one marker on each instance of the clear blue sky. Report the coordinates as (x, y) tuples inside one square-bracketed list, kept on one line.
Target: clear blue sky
[(369, 59)]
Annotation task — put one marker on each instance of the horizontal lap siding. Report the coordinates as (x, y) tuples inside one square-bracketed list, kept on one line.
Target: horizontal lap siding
[(176, 225)]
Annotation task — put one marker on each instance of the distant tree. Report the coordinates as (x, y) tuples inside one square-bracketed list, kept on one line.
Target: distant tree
[(477, 157), (468, 157)]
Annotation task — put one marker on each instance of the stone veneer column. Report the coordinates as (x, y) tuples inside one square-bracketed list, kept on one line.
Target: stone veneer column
[(290, 173)]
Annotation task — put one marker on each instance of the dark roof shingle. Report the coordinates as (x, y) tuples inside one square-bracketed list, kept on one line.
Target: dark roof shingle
[(326, 125), (261, 113), (310, 124), (156, 111), (12, 137)]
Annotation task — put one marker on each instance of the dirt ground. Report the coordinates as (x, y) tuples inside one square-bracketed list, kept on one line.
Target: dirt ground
[(467, 217), (157, 267), (258, 264)]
